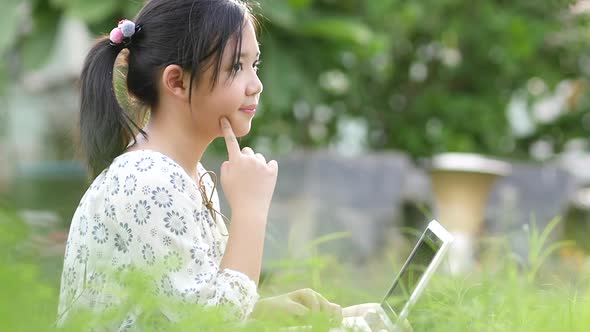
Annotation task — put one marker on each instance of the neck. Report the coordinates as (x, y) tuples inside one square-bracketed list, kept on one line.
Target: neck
[(178, 142)]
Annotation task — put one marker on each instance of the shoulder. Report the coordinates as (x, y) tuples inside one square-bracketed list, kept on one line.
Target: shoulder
[(145, 172), (144, 161)]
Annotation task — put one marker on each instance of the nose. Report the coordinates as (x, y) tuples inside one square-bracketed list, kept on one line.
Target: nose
[(255, 86)]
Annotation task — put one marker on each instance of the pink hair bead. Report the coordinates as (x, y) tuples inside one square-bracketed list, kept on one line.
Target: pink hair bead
[(116, 36)]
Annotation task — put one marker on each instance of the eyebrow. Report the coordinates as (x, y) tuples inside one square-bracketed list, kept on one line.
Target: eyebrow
[(246, 54)]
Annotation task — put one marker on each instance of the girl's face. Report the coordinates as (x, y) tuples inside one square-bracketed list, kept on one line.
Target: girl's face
[(233, 97)]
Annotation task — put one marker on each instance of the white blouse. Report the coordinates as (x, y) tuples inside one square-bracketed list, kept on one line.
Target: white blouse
[(143, 212)]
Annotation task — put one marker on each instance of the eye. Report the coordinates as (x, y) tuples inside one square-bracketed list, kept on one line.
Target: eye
[(237, 67), (256, 65)]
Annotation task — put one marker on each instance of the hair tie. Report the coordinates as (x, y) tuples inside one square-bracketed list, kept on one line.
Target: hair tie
[(123, 32)]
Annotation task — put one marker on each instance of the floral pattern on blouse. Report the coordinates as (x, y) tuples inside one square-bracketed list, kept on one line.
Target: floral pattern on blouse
[(144, 211)]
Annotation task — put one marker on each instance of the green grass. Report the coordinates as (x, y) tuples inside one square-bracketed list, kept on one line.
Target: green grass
[(541, 293)]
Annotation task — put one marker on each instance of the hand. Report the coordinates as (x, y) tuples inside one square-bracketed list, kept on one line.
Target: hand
[(371, 313), (297, 304), (248, 180)]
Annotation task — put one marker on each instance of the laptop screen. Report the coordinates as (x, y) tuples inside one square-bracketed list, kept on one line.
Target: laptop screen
[(415, 266)]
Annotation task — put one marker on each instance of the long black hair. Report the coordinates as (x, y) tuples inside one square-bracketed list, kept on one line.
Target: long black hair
[(190, 33)]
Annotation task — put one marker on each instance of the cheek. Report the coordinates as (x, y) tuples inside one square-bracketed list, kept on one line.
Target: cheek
[(207, 110), (226, 101)]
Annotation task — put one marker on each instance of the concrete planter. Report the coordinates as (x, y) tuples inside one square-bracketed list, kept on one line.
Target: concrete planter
[(461, 184)]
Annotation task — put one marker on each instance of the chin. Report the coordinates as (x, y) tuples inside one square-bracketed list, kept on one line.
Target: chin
[(241, 126), (242, 131)]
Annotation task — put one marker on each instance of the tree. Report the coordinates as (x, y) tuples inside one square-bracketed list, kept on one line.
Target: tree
[(420, 76)]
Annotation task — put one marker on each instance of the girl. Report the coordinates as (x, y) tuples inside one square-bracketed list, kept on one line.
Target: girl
[(193, 65)]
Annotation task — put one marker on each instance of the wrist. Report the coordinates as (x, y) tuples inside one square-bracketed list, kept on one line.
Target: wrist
[(261, 308), (249, 215)]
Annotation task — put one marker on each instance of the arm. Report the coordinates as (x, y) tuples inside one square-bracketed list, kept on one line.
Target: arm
[(248, 183), (245, 244), (167, 225)]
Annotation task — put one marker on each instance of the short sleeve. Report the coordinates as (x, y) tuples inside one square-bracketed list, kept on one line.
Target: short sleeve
[(163, 227)]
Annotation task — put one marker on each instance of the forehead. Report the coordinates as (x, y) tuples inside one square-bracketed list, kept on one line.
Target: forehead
[(249, 35), (249, 45)]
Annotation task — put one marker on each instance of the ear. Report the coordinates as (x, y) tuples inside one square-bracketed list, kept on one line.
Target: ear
[(175, 81)]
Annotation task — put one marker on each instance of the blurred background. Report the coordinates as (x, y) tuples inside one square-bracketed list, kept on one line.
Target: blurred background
[(360, 98)]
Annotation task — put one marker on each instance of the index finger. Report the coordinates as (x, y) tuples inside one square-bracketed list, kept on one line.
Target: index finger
[(233, 148)]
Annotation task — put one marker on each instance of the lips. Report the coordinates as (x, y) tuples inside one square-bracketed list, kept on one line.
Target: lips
[(249, 109)]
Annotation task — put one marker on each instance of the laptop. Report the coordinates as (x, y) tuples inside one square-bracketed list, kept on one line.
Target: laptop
[(408, 285)]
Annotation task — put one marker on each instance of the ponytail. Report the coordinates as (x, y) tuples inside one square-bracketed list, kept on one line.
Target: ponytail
[(105, 128)]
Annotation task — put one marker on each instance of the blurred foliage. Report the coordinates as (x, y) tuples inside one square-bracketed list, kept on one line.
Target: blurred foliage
[(504, 294), (420, 76), (23, 285), (426, 76)]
